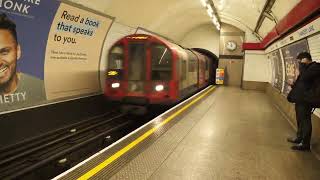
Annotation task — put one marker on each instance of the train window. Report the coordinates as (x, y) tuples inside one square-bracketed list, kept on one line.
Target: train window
[(161, 62), (192, 61), (192, 65), (183, 70), (137, 62), (207, 64), (115, 62)]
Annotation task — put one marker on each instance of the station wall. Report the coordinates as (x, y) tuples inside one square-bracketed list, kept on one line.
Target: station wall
[(57, 67), (54, 57), (281, 54), (231, 56), (284, 64), (256, 67), (277, 64), (257, 71)]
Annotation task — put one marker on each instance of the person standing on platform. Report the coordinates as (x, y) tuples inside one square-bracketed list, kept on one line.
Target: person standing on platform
[(309, 71)]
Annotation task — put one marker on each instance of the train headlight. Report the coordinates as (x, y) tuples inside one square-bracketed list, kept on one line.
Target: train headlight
[(115, 85), (159, 88)]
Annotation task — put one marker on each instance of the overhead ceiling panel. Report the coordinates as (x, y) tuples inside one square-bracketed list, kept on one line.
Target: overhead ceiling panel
[(266, 27), (246, 11), (281, 8), (175, 18), (93, 4), (166, 17), (182, 24)]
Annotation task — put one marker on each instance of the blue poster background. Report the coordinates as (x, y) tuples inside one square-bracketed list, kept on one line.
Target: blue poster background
[(32, 32)]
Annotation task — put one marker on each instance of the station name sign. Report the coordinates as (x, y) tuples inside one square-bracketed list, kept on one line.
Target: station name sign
[(306, 31)]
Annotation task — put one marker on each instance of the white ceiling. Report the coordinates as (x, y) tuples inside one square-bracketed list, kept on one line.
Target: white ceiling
[(244, 11), (176, 18)]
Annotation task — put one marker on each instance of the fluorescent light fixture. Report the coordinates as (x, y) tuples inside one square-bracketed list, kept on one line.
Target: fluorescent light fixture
[(214, 20), (204, 3), (209, 13), (218, 27), (209, 9), (115, 85), (159, 87)]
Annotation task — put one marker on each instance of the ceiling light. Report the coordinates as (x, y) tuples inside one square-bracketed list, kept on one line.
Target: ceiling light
[(204, 3), (218, 27), (211, 13), (215, 21), (209, 9), (214, 18)]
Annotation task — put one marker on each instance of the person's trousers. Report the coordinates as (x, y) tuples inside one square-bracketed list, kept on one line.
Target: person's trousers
[(304, 126)]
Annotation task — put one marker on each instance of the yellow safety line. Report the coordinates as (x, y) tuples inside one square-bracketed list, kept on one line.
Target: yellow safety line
[(118, 154)]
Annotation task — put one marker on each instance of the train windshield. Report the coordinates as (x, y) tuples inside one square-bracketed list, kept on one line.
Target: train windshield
[(161, 62), (137, 62), (115, 62)]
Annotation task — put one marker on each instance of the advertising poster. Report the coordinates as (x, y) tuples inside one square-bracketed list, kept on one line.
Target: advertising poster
[(277, 69), (290, 53), (219, 75), (273, 74), (49, 49)]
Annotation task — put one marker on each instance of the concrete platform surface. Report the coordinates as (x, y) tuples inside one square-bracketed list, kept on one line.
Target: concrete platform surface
[(232, 134)]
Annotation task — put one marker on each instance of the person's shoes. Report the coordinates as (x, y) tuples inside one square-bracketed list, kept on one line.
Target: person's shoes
[(301, 147), (294, 140)]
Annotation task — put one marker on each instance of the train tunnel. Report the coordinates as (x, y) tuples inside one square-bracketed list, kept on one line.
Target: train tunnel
[(213, 78)]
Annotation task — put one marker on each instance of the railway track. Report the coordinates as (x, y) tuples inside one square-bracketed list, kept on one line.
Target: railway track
[(45, 156)]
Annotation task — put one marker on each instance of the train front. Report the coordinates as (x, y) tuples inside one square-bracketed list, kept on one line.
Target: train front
[(141, 72)]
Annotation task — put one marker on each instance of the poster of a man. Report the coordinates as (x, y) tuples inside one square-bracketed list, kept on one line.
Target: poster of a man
[(16, 88), (10, 52)]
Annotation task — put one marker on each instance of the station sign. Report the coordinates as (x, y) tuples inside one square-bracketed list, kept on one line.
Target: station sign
[(304, 32)]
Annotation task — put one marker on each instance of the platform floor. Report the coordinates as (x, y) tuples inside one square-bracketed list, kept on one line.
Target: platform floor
[(232, 134)]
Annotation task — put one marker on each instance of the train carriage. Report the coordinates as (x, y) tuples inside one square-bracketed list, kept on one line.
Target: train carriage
[(145, 69)]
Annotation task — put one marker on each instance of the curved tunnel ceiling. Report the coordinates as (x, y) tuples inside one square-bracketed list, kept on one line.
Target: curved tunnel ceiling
[(176, 18), (245, 11)]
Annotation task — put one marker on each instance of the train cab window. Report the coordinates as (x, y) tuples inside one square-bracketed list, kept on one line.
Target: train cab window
[(115, 62), (137, 62), (161, 58), (116, 57)]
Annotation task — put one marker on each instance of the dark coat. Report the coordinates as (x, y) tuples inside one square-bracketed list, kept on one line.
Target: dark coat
[(304, 83)]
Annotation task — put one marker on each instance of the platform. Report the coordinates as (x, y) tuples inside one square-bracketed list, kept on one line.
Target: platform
[(229, 134)]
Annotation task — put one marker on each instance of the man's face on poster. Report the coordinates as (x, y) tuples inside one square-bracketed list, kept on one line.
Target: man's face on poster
[(9, 54)]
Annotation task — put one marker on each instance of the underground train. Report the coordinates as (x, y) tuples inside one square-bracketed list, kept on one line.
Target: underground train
[(149, 70)]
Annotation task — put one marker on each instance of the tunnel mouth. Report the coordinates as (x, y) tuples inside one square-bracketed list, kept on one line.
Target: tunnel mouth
[(215, 62)]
